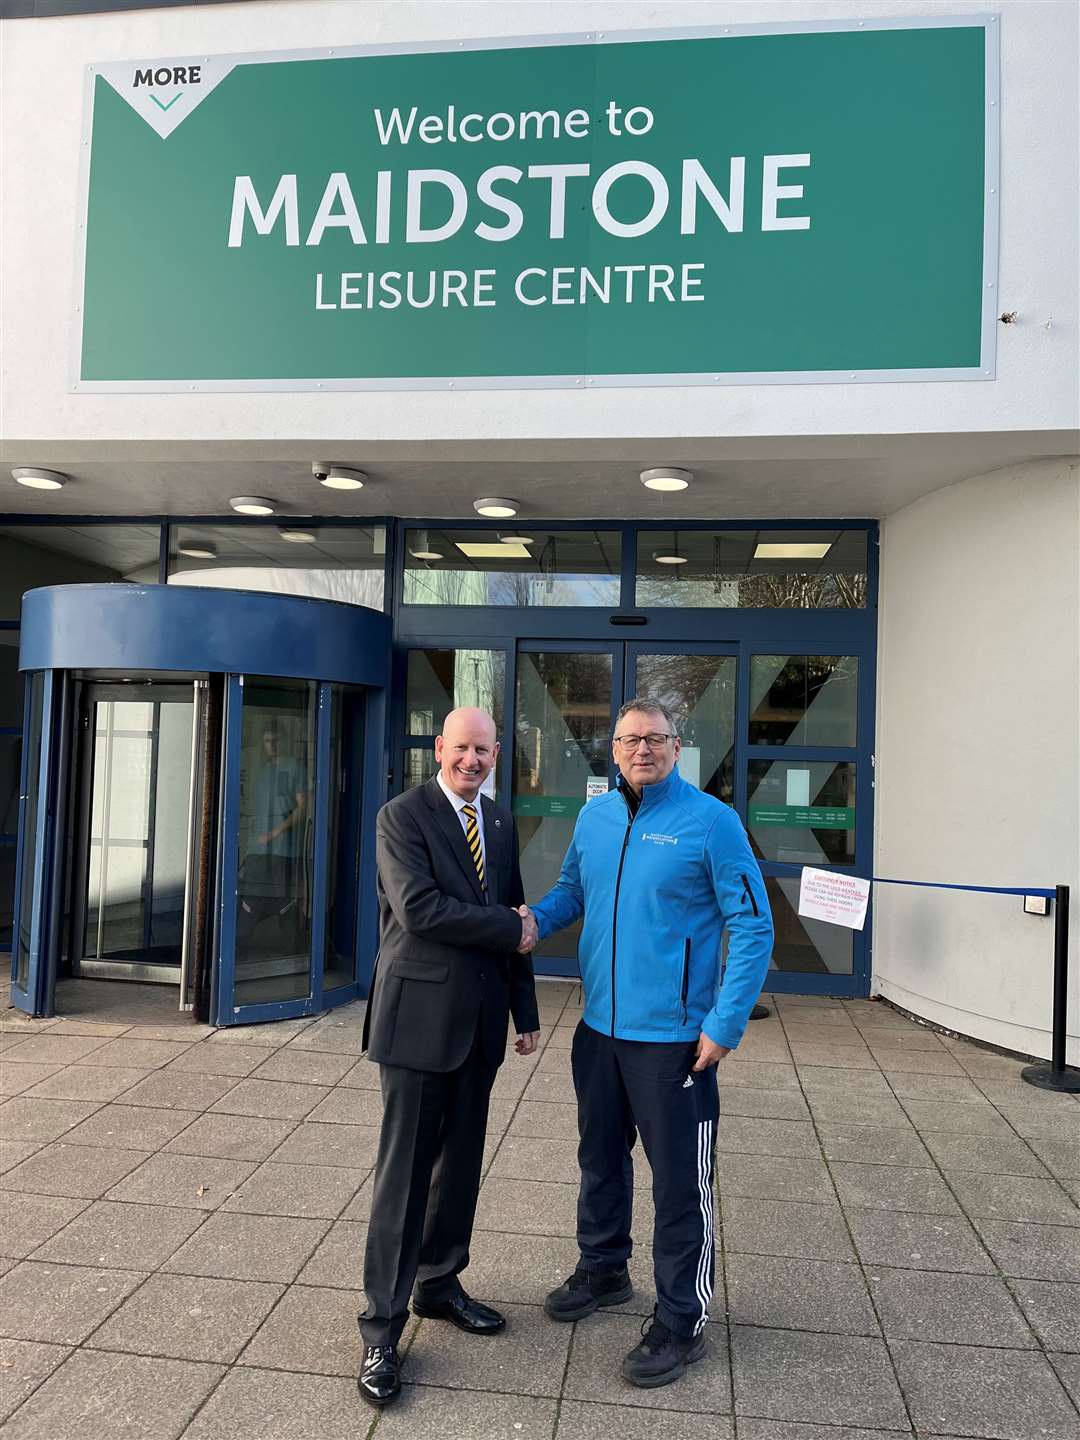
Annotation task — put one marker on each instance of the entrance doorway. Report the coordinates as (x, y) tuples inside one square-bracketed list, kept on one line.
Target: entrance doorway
[(767, 728), (140, 831)]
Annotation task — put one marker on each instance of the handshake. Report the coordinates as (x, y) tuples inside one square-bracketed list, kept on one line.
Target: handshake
[(530, 933)]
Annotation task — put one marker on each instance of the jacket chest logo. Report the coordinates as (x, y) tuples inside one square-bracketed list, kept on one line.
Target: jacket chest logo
[(654, 837)]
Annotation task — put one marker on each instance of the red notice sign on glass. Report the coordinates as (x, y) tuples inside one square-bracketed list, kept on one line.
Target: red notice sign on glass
[(836, 898)]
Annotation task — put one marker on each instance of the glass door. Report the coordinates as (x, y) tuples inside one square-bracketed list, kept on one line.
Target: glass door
[(138, 748), (775, 736), (565, 699), (804, 773)]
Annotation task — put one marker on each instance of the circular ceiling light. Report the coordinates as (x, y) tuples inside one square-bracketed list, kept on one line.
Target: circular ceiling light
[(197, 549), (252, 505), (297, 537), (496, 508), (517, 539), (421, 547), (341, 477), (666, 478), (37, 479), (665, 557)]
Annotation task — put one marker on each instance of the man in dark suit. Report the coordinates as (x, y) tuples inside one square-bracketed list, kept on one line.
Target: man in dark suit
[(453, 965)]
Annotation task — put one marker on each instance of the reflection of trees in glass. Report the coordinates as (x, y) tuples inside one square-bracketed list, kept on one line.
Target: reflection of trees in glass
[(425, 585), (546, 579), (803, 592), (803, 699), (563, 716), (759, 592), (700, 691), (442, 680)]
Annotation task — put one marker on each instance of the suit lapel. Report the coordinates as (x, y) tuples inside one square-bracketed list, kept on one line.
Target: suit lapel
[(448, 822), (495, 847)]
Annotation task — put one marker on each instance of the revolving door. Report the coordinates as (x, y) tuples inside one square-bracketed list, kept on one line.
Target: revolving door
[(202, 827)]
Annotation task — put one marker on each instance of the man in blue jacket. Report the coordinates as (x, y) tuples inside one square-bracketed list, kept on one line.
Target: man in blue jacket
[(658, 869)]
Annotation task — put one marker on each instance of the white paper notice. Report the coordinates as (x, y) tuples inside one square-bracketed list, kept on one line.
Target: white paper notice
[(798, 787), (690, 764), (595, 785), (839, 899)]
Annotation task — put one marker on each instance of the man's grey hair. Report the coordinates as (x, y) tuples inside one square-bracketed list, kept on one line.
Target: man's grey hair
[(649, 707)]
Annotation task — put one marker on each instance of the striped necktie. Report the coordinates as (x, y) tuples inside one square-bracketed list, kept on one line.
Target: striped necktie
[(472, 839)]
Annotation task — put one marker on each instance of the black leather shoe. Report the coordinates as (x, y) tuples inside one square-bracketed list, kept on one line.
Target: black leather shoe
[(379, 1381), (464, 1312), (586, 1290), (661, 1357)]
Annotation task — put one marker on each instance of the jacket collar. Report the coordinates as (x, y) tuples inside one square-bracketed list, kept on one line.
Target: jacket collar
[(654, 794)]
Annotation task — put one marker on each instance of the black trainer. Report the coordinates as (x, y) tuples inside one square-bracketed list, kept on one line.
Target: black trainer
[(587, 1290), (661, 1357)]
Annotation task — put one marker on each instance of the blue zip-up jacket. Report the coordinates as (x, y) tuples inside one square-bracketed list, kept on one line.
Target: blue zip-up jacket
[(657, 887)]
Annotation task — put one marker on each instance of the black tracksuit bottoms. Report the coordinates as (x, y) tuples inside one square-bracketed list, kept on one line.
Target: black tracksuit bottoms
[(629, 1086)]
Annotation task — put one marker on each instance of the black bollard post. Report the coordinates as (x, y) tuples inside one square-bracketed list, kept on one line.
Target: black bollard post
[(1056, 1076)]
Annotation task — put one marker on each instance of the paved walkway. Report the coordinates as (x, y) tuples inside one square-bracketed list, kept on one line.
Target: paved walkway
[(184, 1214)]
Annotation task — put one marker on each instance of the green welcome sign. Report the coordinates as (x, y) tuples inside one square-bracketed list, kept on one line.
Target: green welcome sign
[(750, 204)]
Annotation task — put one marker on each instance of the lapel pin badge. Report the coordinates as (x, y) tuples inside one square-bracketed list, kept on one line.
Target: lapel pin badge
[(498, 824)]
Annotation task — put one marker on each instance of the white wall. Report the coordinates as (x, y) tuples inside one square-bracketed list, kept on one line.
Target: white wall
[(978, 750), (42, 77)]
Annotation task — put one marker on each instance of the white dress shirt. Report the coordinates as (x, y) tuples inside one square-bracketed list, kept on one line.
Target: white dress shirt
[(459, 804)]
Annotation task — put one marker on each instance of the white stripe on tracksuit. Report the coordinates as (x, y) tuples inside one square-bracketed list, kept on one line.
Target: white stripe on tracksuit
[(703, 1284)]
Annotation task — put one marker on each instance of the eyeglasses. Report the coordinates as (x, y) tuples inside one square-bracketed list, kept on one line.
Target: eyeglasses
[(655, 740)]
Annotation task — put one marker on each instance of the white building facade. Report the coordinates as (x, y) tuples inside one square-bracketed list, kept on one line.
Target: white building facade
[(865, 603)]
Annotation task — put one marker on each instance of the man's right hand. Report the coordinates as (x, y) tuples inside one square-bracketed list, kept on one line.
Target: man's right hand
[(530, 933)]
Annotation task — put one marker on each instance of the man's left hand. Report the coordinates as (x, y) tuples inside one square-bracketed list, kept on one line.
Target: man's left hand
[(527, 1043), (709, 1053)]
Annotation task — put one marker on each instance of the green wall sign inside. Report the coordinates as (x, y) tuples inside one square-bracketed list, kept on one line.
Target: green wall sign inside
[(813, 817), (564, 806), (745, 205)]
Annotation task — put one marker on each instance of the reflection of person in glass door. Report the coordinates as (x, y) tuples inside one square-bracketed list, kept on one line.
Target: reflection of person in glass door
[(269, 879)]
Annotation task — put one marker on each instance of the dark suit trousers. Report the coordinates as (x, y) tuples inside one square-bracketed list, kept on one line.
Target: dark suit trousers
[(427, 1178)]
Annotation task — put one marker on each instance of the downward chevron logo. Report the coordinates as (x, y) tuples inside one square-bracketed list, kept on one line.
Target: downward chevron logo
[(169, 106)]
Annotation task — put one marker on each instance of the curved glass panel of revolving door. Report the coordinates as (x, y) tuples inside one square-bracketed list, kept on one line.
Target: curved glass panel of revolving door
[(139, 740), (274, 880)]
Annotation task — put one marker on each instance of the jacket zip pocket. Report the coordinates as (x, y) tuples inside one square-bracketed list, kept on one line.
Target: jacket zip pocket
[(749, 894), (615, 917), (685, 976)]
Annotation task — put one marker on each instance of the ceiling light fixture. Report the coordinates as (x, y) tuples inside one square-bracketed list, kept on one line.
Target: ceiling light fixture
[(342, 477), (666, 478), (197, 549), (297, 537), (252, 505), (421, 548), (807, 550), (672, 556), (517, 539), (37, 479), (486, 550), (496, 508)]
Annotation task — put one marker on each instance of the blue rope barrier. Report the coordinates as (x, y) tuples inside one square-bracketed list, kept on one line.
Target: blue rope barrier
[(980, 889)]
